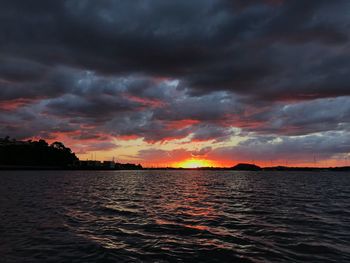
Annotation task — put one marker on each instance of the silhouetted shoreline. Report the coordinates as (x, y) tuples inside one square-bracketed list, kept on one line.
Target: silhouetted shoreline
[(73, 168), (139, 167), (39, 155), (271, 169)]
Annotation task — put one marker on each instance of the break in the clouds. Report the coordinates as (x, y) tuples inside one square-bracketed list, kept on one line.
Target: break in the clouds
[(256, 79)]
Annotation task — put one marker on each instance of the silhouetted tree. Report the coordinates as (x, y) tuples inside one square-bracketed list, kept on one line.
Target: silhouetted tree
[(35, 153)]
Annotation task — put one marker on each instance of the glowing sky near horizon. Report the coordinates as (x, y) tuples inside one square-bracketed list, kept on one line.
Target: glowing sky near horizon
[(180, 83)]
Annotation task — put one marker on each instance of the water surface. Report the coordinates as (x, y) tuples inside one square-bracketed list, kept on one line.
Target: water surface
[(174, 216)]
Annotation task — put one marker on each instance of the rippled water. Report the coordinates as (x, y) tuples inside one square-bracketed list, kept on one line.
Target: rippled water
[(174, 216)]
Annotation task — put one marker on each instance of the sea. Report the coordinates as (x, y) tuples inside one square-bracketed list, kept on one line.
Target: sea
[(174, 216)]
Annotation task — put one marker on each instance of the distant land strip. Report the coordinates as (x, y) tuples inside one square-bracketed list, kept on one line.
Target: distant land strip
[(39, 155)]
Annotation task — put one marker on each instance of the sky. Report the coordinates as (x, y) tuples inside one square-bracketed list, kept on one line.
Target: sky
[(180, 83)]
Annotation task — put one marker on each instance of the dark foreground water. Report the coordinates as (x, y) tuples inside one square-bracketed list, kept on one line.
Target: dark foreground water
[(174, 216)]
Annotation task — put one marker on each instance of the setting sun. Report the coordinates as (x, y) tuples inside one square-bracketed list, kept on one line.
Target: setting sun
[(195, 163)]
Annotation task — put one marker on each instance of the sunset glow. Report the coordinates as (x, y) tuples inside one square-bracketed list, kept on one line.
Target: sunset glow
[(195, 163)]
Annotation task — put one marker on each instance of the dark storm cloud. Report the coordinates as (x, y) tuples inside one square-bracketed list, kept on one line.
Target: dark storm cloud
[(29, 121), (165, 70), (207, 132), (300, 148), (20, 70), (213, 107), (56, 82), (102, 106), (301, 118), (212, 44), (110, 106)]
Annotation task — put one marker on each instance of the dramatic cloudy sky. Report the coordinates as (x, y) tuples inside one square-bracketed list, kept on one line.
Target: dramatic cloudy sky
[(159, 82)]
